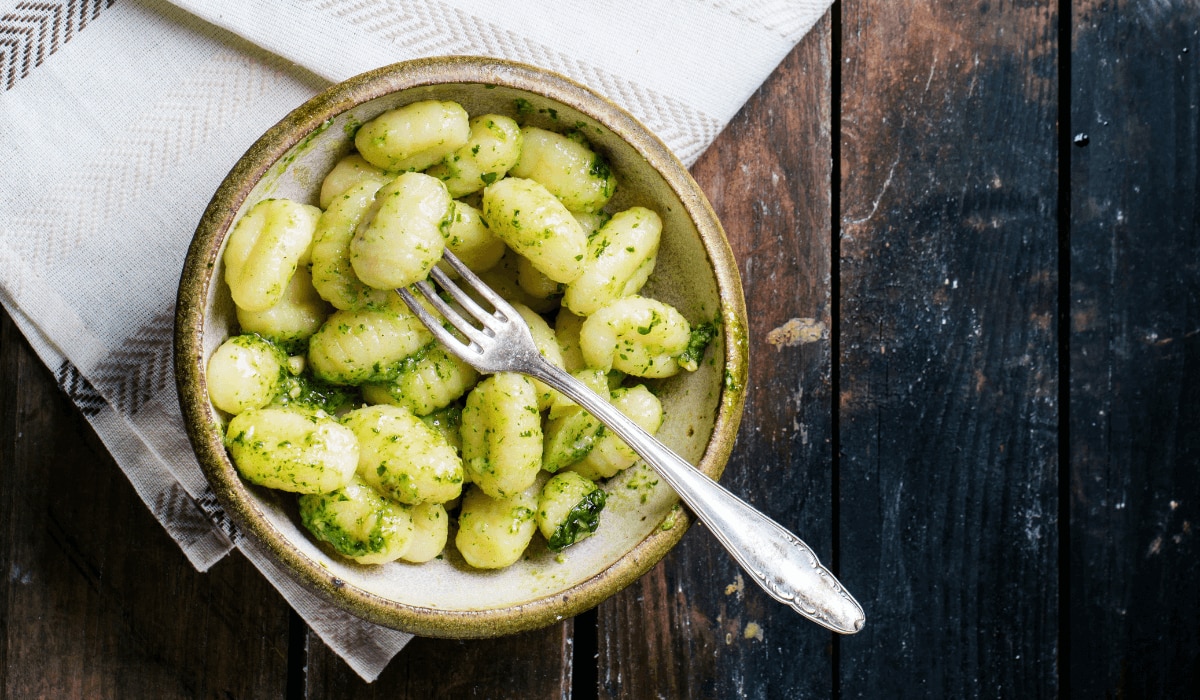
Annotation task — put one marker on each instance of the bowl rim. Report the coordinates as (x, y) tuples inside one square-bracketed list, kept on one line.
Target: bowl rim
[(201, 420)]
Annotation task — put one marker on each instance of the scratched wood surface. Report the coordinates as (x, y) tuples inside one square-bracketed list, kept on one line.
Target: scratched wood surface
[(1135, 350), (897, 192), (948, 376)]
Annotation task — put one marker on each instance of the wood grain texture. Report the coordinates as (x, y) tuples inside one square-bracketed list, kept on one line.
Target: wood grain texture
[(948, 474), (1135, 350), (694, 626), (97, 600), (529, 665)]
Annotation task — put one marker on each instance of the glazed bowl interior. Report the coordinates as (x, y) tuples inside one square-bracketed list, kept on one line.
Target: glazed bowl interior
[(695, 273)]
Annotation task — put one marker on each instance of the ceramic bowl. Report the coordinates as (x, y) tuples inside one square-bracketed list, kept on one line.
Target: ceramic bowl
[(696, 273)]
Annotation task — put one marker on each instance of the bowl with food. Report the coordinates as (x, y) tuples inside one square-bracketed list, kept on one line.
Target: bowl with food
[(378, 469)]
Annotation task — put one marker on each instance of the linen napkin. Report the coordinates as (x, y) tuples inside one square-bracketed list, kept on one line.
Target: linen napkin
[(119, 118)]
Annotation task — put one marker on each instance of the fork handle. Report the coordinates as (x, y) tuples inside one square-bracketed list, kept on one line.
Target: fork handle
[(786, 568)]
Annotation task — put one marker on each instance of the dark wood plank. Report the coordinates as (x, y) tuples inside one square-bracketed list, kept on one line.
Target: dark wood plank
[(948, 377), (95, 599), (530, 665), (1135, 350), (693, 627)]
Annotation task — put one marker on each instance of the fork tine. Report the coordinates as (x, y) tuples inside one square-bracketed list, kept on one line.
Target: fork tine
[(469, 305), (461, 323), (479, 285), (435, 325)]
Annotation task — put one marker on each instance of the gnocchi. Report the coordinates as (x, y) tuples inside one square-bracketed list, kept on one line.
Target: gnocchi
[(304, 452), (333, 274), (386, 435), (264, 250), (353, 347), (359, 523), (567, 167), (294, 318), (429, 381), (502, 435), (569, 509), (413, 137), (492, 148), (402, 457), (609, 454), (619, 260), (471, 241), (351, 171), (399, 239), (536, 225), (635, 335), (244, 373), (494, 532)]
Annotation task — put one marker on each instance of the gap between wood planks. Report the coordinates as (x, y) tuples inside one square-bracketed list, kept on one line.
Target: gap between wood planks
[(1064, 343)]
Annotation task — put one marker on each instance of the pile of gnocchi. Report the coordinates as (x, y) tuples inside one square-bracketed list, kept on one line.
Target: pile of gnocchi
[(334, 390)]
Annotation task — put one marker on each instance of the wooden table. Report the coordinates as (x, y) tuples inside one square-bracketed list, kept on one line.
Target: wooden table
[(981, 220)]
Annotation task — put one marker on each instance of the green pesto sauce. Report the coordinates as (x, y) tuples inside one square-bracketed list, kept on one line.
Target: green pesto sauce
[(668, 522), (735, 333), (580, 522), (600, 169), (308, 392), (698, 342)]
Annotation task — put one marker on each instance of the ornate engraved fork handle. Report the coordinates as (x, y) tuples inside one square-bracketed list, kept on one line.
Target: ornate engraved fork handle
[(780, 562)]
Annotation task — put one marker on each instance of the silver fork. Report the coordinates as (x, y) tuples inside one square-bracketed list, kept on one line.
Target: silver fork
[(500, 341)]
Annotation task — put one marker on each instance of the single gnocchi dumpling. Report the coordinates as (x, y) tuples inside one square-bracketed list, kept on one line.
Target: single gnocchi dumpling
[(535, 224), (413, 137), (355, 347), (244, 373), (294, 318), (399, 239), (620, 257), (569, 510), (469, 238), (431, 529), (269, 242), (492, 148), (568, 167), (298, 451), (502, 434), (333, 274), (635, 335), (427, 382), (402, 457), (358, 522), (494, 532), (351, 171)]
